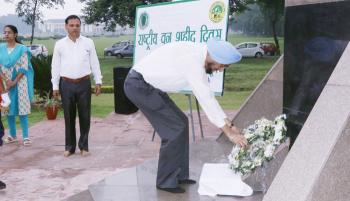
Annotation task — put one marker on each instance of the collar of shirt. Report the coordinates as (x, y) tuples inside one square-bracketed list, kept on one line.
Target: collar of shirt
[(76, 40)]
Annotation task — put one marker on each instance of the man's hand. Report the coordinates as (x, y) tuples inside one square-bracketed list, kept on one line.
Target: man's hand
[(56, 93), (235, 130), (239, 139), (98, 89), (235, 136)]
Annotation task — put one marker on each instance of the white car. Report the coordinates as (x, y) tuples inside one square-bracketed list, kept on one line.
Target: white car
[(250, 49), (38, 49)]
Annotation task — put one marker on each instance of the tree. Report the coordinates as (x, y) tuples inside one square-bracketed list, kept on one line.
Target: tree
[(254, 22), (274, 11), (239, 6), (31, 11), (113, 12)]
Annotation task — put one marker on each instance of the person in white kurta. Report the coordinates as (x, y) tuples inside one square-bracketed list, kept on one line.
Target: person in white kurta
[(74, 59), (173, 67)]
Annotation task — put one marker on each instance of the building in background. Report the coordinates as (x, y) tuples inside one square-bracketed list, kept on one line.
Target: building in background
[(56, 27)]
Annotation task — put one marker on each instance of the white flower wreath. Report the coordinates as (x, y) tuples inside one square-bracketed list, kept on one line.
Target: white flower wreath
[(264, 136)]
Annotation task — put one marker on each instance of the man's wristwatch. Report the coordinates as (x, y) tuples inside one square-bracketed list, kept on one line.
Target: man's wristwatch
[(229, 124)]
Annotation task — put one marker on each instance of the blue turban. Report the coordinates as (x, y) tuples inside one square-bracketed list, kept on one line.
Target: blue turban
[(223, 52)]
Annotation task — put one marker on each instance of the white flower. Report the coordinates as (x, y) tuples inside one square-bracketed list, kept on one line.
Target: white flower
[(234, 163), (263, 136), (249, 135), (247, 164), (269, 150), (257, 162), (278, 137), (235, 150)]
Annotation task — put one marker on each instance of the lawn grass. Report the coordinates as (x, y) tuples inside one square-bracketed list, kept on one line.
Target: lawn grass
[(104, 104), (243, 76), (107, 65)]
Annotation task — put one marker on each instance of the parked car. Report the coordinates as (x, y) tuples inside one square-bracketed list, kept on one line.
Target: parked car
[(38, 49), (127, 51), (109, 51), (250, 49), (269, 48)]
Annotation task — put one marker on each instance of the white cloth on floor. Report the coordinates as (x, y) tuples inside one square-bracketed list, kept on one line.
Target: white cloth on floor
[(219, 179)]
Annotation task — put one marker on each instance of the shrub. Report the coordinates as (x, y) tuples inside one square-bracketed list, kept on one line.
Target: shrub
[(42, 75)]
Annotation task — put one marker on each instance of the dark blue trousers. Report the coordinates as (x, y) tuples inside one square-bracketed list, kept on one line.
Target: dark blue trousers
[(76, 97)]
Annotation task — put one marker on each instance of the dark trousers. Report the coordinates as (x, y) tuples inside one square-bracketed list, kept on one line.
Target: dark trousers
[(170, 123), (76, 96)]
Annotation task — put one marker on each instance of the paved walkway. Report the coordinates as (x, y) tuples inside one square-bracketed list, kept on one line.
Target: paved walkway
[(40, 172)]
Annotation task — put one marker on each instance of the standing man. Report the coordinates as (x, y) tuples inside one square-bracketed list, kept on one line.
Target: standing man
[(74, 59), (173, 67)]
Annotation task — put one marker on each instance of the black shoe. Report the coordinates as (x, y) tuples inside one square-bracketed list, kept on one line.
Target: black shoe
[(172, 190), (187, 181), (2, 185)]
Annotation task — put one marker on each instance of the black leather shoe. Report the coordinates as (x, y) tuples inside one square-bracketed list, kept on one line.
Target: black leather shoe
[(2, 185), (172, 190), (187, 181)]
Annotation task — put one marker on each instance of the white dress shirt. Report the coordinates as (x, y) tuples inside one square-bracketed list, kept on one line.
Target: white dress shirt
[(74, 60), (174, 66)]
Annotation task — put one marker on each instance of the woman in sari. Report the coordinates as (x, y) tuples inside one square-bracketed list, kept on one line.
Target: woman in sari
[(17, 72)]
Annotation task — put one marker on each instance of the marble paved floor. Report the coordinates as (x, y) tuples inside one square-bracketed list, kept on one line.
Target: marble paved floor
[(138, 183), (41, 173)]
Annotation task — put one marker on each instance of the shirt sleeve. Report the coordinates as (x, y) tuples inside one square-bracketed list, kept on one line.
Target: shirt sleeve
[(55, 67), (195, 75), (95, 65)]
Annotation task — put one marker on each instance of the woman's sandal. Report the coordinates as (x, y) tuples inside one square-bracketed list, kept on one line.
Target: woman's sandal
[(9, 140), (27, 142)]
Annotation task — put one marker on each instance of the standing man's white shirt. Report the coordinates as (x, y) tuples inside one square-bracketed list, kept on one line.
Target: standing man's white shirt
[(74, 60), (175, 66)]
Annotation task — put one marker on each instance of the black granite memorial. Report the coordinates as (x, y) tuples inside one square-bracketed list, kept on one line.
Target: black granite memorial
[(315, 38)]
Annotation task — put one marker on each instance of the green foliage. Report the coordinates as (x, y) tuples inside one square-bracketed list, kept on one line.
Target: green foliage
[(274, 11), (42, 75), (113, 12), (51, 101), (239, 6), (254, 22)]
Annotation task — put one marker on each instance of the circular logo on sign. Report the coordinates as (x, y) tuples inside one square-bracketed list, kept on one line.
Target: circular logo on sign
[(217, 12), (143, 20)]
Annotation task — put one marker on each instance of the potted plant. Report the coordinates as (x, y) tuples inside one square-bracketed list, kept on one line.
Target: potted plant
[(51, 107)]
